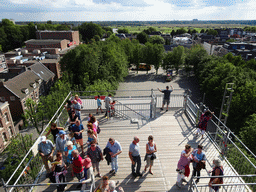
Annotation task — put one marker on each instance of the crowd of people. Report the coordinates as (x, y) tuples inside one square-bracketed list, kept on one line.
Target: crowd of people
[(69, 160)]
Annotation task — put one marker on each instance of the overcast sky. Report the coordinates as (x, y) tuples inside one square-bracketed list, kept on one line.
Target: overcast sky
[(127, 10)]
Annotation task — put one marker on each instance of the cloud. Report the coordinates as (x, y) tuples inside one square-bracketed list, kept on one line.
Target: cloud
[(102, 10)]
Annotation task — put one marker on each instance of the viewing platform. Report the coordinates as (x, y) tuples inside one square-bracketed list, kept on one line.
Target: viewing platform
[(138, 114)]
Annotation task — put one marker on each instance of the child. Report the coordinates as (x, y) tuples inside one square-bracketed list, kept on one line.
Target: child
[(72, 138), (99, 105), (89, 117), (112, 107)]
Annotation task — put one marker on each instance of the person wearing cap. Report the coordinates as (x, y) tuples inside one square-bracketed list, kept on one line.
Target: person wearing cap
[(46, 149), (88, 173), (68, 151), (77, 129), (61, 141), (167, 94)]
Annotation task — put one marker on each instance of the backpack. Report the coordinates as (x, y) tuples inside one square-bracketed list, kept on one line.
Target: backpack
[(98, 129)]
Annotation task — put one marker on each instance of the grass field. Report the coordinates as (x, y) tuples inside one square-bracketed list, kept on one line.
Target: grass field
[(167, 28)]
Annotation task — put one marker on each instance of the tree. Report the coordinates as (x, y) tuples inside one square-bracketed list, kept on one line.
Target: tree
[(168, 61), (155, 39), (178, 57), (149, 30), (96, 37), (157, 56), (89, 30), (124, 30), (202, 31), (137, 55), (212, 32), (49, 22), (142, 37), (32, 114)]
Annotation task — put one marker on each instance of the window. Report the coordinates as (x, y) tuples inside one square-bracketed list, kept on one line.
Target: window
[(32, 96), (12, 98), (6, 118), (4, 137), (36, 94), (1, 124), (10, 131)]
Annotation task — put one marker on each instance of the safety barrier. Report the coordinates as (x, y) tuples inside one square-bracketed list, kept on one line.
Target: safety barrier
[(232, 149)]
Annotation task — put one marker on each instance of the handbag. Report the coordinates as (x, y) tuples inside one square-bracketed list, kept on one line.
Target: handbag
[(153, 156)]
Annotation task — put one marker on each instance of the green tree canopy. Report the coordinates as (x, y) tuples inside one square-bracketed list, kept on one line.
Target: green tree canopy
[(155, 39), (89, 30), (123, 30), (142, 37)]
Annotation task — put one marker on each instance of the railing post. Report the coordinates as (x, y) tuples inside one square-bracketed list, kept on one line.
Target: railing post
[(4, 185)]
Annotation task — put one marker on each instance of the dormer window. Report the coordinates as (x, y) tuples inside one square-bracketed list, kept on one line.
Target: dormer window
[(25, 90), (32, 85), (39, 81)]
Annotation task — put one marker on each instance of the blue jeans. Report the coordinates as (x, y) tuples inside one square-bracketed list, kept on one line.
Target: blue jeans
[(114, 163), (137, 161)]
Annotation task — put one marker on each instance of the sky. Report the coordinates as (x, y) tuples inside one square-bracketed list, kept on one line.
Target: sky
[(127, 10)]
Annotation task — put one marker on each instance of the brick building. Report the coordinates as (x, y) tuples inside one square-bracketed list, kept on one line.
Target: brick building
[(36, 80), (72, 36), (52, 64), (46, 44), (7, 129)]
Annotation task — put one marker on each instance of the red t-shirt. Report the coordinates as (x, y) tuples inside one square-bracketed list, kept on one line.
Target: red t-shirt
[(78, 163)]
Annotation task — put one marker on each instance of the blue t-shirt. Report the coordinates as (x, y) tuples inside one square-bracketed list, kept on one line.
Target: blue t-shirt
[(114, 148), (199, 157), (69, 159), (77, 129), (99, 102)]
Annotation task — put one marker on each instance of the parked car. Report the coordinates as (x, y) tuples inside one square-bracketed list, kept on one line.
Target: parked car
[(168, 75)]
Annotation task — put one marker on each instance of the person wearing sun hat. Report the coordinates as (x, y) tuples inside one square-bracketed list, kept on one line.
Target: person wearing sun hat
[(88, 173), (61, 141), (68, 152), (45, 150)]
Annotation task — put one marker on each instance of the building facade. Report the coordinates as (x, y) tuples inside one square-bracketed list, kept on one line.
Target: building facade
[(72, 36), (7, 129)]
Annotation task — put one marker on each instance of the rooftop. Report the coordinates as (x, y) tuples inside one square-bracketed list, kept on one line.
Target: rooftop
[(44, 41)]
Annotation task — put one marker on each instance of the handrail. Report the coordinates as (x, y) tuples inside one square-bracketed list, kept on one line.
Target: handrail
[(38, 138), (233, 135), (131, 109)]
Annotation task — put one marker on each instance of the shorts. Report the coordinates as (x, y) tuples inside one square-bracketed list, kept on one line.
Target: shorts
[(166, 101), (80, 141), (200, 131), (99, 107)]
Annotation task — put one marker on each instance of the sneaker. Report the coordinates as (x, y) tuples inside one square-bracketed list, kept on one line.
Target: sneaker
[(178, 185), (134, 174), (112, 171), (166, 109), (184, 180), (197, 181), (139, 174), (161, 109), (97, 113)]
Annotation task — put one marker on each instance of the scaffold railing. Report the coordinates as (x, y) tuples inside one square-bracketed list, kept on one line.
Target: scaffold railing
[(240, 158)]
